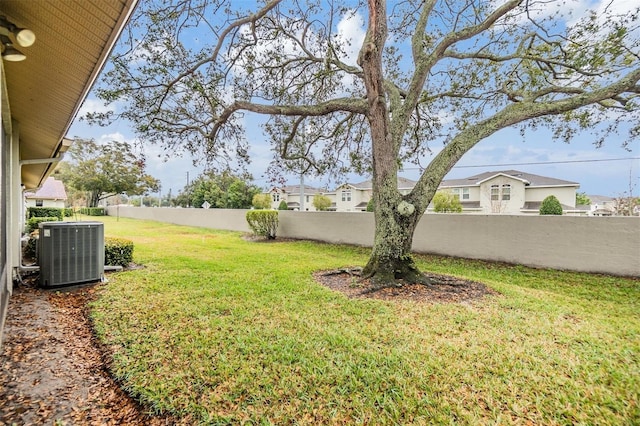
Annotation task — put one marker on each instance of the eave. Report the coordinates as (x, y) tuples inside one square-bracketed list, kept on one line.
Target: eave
[(46, 90)]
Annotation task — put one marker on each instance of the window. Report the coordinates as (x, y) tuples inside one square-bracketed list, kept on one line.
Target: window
[(307, 199), (495, 192), (456, 193), (276, 196), (38, 203), (506, 192), (346, 195), (465, 193)]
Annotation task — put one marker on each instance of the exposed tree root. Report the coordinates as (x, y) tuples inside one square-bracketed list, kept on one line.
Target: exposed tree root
[(355, 271)]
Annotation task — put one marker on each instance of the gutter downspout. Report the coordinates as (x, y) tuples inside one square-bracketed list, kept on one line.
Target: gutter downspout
[(32, 268)]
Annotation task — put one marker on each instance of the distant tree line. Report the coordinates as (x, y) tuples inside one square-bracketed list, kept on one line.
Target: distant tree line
[(220, 191)]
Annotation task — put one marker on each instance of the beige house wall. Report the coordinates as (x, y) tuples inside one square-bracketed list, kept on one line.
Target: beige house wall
[(608, 245), (11, 205), (474, 194), (347, 205), (511, 206), (360, 196), (566, 195)]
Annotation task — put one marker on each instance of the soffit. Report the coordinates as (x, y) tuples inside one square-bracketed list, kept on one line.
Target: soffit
[(46, 90)]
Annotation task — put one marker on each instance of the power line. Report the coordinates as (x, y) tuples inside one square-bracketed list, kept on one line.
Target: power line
[(551, 162), (538, 163)]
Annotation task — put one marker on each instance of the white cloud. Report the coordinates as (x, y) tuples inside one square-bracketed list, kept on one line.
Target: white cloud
[(94, 105), (606, 11), (110, 137), (572, 11), (351, 34)]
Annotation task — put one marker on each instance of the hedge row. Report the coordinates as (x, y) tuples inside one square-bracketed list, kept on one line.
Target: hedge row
[(45, 212), (92, 211)]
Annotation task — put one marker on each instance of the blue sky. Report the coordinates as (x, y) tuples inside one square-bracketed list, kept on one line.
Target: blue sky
[(609, 170)]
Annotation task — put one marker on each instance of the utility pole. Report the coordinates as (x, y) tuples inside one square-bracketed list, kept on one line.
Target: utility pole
[(301, 191), (187, 189)]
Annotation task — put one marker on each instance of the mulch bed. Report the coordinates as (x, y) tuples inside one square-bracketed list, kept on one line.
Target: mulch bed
[(444, 288), (52, 370)]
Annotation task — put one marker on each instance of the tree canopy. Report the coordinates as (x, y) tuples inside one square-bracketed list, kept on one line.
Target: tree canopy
[(104, 170), (261, 201), (418, 76), (321, 202), (582, 199), (446, 202), (222, 191)]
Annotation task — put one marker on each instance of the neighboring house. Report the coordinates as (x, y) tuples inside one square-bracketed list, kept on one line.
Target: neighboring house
[(508, 192), (602, 205), (51, 194), (348, 197), (511, 192), (291, 195), (351, 197), (355, 196)]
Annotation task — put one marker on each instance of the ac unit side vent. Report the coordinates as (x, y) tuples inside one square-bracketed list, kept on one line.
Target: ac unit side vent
[(70, 253)]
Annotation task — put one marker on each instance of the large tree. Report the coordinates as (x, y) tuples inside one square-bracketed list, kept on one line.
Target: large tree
[(104, 170), (426, 72), (221, 191)]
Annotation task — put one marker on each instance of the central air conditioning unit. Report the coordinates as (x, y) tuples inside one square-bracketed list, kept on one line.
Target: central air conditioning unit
[(70, 252)]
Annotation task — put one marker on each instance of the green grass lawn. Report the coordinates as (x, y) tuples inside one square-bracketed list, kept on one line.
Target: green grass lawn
[(225, 331)]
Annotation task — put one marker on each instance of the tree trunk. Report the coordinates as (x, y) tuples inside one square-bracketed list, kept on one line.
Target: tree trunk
[(396, 217), (391, 263), (94, 199)]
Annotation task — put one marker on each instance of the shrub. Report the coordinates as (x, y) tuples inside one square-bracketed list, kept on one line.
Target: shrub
[(30, 250), (68, 212), (45, 212), (118, 251), (321, 202), (261, 201), (283, 205), (34, 223), (371, 207), (263, 222), (551, 205), (446, 202), (92, 211)]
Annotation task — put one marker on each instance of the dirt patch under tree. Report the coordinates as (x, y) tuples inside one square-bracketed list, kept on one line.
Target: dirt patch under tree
[(443, 288)]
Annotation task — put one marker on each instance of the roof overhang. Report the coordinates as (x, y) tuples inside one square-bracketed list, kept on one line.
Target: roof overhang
[(46, 90)]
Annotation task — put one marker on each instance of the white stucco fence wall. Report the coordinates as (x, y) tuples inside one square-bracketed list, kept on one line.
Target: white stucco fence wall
[(590, 244)]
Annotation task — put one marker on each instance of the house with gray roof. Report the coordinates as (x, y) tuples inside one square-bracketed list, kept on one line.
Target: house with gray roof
[(602, 205), (511, 192), (291, 195), (355, 196), (506, 191), (51, 194)]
